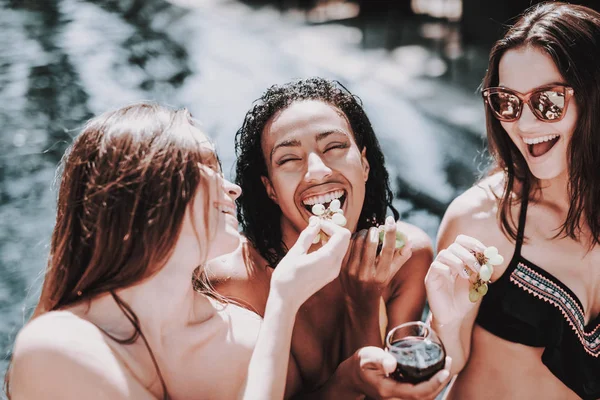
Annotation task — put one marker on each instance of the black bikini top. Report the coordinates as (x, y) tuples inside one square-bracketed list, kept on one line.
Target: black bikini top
[(528, 305)]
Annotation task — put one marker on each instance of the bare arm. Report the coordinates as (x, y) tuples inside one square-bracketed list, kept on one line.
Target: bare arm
[(271, 354), (297, 277), (456, 335), (406, 300), (453, 315)]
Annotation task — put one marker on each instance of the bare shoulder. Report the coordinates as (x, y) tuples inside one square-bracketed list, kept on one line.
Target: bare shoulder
[(421, 242), (473, 213), (67, 355), (59, 330)]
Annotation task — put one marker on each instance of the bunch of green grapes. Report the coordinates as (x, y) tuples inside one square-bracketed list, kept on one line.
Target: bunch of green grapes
[(479, 282), (333, 213), (336, 215)]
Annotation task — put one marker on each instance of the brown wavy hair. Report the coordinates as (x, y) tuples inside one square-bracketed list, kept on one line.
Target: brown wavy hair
[(127, 181), (570, 34)]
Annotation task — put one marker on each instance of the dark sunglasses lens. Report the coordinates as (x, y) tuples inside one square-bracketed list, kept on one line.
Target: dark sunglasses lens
[(505, 105), (549, 104)]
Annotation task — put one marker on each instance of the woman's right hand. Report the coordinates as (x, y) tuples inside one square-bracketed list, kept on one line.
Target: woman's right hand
[(448, 285), (301, 274)]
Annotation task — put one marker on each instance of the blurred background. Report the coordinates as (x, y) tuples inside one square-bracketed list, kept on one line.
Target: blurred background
[(416, 64)]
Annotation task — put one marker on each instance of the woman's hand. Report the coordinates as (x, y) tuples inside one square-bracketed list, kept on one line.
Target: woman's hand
[(368, 274), (368, 374), (301, 274), (448, 280)]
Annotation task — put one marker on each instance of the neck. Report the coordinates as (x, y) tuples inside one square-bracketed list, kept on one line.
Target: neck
[(163, 303), (555, 193), (289, 235)]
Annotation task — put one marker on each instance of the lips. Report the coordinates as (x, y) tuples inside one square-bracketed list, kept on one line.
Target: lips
[(539, 146), (226, 208)]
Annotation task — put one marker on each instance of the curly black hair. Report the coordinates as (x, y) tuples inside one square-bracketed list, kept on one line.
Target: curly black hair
[(259, 216)]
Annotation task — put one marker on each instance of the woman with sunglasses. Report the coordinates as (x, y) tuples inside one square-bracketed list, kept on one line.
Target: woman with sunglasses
[(141, 207), (527, 325)]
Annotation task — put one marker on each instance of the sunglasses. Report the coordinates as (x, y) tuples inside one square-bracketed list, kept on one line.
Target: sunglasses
[(547, 103)]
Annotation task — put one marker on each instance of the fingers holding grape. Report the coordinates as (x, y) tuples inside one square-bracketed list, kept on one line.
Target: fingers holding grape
[(460, 277), (486, 260), (333, 213)]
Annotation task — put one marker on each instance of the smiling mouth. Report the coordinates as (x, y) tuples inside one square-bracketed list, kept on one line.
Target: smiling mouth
[(539, 146), (325, 199), (226, 209)]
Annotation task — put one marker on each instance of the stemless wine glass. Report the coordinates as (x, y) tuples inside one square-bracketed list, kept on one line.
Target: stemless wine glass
[(418, 351)]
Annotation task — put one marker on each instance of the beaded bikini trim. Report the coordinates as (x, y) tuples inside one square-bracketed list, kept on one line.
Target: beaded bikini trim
[(543, 288)]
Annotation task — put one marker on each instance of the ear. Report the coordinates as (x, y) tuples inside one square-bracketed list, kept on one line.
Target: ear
[(269, 189), (365, 163)]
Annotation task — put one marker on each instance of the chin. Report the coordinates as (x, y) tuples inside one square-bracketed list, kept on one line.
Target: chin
[(546, 173), (225, 243)]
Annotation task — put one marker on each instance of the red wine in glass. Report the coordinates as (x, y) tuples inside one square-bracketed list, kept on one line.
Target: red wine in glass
[(418, 351)]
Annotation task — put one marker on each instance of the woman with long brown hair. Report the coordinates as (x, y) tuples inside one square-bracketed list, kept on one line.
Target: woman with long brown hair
[(141, 207), (527, 325)]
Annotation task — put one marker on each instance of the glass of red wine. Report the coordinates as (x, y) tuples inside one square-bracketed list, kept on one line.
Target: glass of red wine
[(418, 351)]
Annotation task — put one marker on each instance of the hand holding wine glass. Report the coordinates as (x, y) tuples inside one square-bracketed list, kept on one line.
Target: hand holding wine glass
[(370, 370), (418, 351)]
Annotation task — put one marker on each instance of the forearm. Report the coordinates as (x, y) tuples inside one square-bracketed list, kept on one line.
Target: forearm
[(362, 325), (452, 336), (268, 367)]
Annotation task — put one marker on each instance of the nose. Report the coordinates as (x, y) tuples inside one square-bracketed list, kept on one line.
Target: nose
[(528, 121), (316, 170), (233, 190)]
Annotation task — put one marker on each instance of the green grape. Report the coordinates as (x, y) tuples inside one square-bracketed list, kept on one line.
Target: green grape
[(334, 205), (474, 295), (485, 272), (318, 209), (338, 219), (482, 289), (400, 237)]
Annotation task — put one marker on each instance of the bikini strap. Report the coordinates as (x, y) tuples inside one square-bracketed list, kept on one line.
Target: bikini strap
[(130, 315), (522, 219)]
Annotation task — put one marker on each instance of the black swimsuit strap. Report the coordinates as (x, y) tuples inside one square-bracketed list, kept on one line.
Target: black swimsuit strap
[(522, 219), (130, 315)]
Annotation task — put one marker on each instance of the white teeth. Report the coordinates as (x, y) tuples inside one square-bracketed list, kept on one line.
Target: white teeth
[(324, 198), (539, 139)]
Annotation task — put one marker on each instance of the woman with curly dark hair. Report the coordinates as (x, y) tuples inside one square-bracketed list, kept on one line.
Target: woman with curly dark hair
[(527, 326), (308, 142)]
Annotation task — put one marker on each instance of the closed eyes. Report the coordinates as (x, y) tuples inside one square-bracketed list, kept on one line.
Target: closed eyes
[(337, 146), (331, 146)]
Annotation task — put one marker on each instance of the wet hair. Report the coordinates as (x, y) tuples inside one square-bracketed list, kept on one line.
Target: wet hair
[(127, 181), (570, 34), (259, 216)]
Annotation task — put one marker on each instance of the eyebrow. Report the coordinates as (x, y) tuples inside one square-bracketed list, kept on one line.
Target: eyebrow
[(285, 143), (325, 134), (296, 142)]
